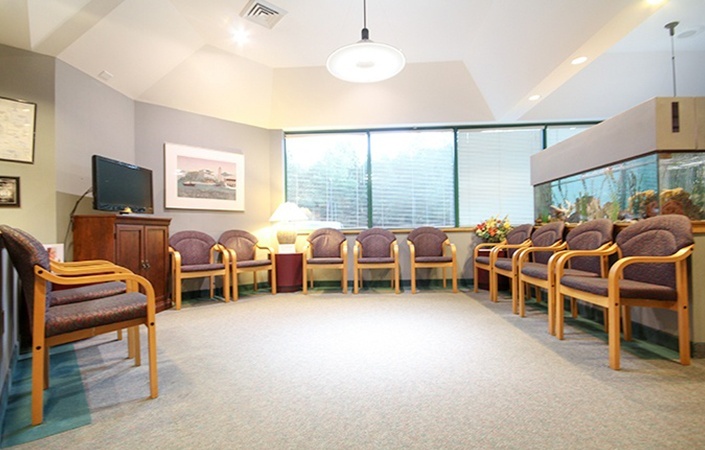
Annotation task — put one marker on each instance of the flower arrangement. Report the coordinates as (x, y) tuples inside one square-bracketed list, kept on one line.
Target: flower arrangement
[(493, 229)]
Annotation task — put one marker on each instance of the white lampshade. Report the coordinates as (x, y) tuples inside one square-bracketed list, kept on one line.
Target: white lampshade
[(288, 212), (365, 62)]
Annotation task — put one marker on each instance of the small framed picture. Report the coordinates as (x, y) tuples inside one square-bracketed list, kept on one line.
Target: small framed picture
[(9, 191)]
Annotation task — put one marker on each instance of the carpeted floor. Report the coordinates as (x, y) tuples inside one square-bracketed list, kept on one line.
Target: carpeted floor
[(380, 371)]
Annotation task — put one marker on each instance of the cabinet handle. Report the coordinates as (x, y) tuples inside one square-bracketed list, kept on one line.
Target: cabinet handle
[(146, 265)]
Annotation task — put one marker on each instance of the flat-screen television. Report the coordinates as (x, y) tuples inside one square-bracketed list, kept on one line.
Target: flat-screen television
[(120, 186)]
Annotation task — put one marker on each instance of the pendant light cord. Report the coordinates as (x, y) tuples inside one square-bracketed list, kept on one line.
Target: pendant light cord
[(365, 31), (672, 31)]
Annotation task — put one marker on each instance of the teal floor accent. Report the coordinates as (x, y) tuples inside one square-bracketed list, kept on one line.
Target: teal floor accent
[(65, 403)]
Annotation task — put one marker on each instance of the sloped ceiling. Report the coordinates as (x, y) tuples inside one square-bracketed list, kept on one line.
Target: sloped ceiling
[(468, 61)]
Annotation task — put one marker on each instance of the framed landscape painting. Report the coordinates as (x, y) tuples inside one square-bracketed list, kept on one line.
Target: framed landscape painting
[(199, 178)]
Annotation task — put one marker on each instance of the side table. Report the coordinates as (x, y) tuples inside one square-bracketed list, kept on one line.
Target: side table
[(289, 272)]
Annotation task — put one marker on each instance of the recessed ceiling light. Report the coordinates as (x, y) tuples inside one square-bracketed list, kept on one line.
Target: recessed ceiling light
[(654, 2), (240, 36), (535, 97), (579, 60)]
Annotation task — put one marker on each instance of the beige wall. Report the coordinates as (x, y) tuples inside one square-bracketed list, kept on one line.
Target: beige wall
[(30, 77)]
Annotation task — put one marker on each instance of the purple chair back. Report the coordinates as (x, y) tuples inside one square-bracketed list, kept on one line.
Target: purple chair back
[(325, 242), (376, 242), (589, 236), (194, 247), (545, 236), (517, 235), (655, 236), (428, 241), (243, 242), (26, 252)]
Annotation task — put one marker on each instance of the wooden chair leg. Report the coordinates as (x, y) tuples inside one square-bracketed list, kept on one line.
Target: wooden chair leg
[(134, 339), (475, 275), (413, 279), (39, 376), (613, 335), (153, 375), (345, 280)]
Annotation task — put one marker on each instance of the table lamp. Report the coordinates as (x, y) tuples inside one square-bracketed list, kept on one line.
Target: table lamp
[(285, 215)]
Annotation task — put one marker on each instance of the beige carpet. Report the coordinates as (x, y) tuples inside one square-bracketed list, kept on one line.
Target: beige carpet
[(380, 371)]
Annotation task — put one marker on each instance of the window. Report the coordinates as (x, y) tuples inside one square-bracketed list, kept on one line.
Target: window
[(327, 173), (412, 178), (415, 177), (493, 174)]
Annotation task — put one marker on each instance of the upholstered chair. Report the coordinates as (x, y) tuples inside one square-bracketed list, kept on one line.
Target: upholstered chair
[(548, 234), (54, 324), (375, 248), (591, 235), (651, 271), (545, 241), (244, 257), (502, 252), (430, 247), (195, 254), (325, 248)]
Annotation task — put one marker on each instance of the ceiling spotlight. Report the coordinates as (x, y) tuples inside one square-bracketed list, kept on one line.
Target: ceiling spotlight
[(579, 60), (535, 97), (365, 61)]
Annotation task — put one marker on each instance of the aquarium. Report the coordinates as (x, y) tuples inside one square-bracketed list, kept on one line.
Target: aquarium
[(659, 183)]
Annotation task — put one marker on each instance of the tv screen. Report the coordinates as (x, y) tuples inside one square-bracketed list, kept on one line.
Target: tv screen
[(120, 186)]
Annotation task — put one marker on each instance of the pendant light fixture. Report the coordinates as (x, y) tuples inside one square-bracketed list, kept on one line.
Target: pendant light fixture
[(365, 61)]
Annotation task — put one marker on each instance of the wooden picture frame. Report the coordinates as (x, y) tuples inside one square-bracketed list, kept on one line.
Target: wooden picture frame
[(10, 191), (17, 119), (199, 178)]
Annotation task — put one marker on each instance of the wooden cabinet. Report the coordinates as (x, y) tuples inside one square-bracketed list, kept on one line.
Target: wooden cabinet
[(139, 243)]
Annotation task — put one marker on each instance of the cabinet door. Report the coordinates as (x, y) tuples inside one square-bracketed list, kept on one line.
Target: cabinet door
[(156, 256), (129, 249)]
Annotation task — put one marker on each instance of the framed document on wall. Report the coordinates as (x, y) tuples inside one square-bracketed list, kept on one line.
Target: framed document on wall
[(17, 119)]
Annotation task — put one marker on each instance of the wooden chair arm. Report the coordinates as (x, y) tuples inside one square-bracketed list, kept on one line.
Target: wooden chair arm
[(478, 247), (412, 250), (524, 253), (95, 267), (128, 276), (175, 257), (494, 253)]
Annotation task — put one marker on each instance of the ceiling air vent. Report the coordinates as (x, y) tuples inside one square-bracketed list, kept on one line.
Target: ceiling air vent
[(262, 13)]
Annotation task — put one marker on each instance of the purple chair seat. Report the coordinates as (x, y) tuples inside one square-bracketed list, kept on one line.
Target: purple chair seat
[(202, 267), (88, 314), (627, 288), (324, 261), (84, 293)]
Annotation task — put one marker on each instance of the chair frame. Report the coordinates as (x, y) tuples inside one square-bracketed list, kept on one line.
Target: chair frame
[(452, 264), (306, 266), (41, 343), (235, 270), (614, 303), (511, 274), (178, 276), (519, 300), (480, 266), (359, 267)]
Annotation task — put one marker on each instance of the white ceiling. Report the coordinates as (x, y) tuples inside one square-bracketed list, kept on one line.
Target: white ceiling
[(468, 60)]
